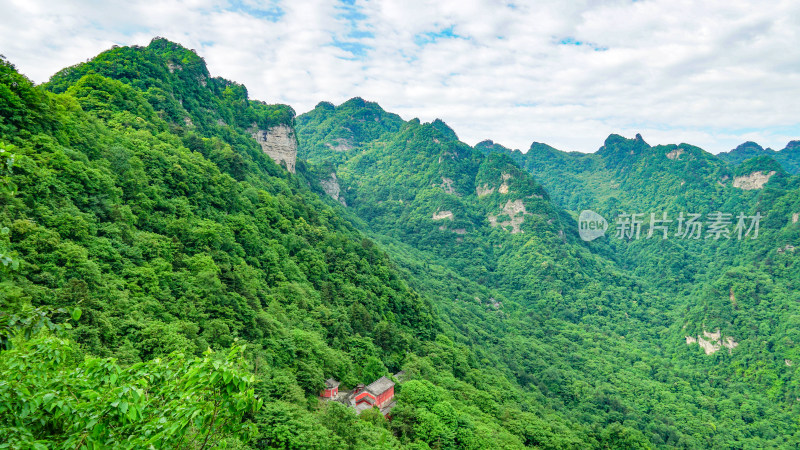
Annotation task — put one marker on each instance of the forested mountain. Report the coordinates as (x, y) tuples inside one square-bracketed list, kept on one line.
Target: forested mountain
[(670, 289), (789, 157), (710, 278), (173, 277)]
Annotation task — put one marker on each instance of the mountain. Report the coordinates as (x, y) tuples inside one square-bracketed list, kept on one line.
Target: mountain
[(184, 264), (404, 184), (179, 235), (709, 279), (789, 157)]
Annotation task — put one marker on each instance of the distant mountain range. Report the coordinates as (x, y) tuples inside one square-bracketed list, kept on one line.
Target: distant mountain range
[(177, 215), (789, 157)]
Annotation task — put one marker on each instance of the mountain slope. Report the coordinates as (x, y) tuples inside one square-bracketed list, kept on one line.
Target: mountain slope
[(789, 157), (149, 227), (163, 203), (409, 184), (744, 288)]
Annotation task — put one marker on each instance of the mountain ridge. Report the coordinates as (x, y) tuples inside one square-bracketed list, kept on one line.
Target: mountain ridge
[(449, 262)]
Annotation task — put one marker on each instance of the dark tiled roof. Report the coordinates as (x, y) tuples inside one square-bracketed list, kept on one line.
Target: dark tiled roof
[(330, 383), (387, 408), (380, 385)]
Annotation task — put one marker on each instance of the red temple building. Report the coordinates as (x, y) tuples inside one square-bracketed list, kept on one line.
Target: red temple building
[(379, 394), (331, 388)]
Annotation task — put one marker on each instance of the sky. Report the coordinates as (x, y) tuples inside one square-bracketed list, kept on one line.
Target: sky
[(713, 73)]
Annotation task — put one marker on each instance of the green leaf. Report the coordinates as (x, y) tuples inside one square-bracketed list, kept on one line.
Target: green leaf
[(76, 314)]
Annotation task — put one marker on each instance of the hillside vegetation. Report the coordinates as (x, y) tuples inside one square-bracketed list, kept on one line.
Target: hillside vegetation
[(165, 283)]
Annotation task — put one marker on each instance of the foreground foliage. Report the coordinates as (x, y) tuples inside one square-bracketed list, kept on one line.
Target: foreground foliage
[(53, 397), (139, 198)]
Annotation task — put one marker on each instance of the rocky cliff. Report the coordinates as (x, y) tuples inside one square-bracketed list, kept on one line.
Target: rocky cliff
[(280, 143), (331, 187)]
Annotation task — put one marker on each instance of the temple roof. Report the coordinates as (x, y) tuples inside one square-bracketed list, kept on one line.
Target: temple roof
[(380, 385)]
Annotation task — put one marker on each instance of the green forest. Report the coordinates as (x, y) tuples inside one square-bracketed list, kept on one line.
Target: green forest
[(165, 283)]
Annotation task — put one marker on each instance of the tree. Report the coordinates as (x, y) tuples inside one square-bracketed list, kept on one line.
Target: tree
[(52, 397)]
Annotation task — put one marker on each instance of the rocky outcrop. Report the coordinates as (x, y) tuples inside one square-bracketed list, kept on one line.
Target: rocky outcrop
[(755, 180), (331, 187), (447, 185), (280, 144), (712, 342), (340, 145), (515, 210), (675, 154), (484, 190), (442, 215)]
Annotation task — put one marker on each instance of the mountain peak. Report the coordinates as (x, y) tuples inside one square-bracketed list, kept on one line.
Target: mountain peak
[(357, 102), (616, 138), (748, 146), (325, 106), (488, 146), (162, 43), (440, 126), (542, 147), (792, 145)]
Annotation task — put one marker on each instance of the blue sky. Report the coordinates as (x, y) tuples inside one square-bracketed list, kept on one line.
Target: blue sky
[(713, 74)]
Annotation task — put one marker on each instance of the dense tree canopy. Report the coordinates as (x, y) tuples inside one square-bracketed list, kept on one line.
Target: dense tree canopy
[(165, 283)]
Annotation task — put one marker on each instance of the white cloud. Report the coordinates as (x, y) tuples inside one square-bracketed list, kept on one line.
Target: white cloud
[(708, 73)]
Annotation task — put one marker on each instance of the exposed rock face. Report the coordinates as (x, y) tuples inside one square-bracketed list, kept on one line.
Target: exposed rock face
[(331, 187), (713, 342), (447, 185), (675, 154), (755, 180), (713, 336), (280, 144), (340, 145), (516, 212), (729, 343), (795, 217), (483, 190), (441, 215), (709, 346)]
